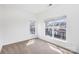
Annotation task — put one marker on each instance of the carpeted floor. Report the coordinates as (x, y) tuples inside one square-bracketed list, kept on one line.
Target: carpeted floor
[(34, 46)]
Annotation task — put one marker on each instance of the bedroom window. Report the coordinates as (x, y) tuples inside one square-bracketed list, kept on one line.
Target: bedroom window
[(32, 27), (56, 28)]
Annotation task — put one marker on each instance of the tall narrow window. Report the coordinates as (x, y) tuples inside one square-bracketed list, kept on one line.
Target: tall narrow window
[(60, 28), (48, 28), (32, 27)]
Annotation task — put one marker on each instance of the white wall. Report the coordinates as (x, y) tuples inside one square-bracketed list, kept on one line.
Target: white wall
[(72, 13), (1, 38), (16, 25)]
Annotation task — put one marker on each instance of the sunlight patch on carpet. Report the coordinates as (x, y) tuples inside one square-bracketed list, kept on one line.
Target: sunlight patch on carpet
[(30, 42), (54, 48)]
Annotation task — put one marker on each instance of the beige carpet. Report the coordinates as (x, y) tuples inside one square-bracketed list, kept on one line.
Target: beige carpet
[(34, 46)]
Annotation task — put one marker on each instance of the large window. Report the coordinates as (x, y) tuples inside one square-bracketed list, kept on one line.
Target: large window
[(56, 28)]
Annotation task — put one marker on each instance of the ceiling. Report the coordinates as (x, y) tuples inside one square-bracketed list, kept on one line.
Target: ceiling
[(30, 8)]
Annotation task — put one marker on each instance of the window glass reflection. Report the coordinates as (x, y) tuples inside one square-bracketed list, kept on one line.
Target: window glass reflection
[(56, 28)]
